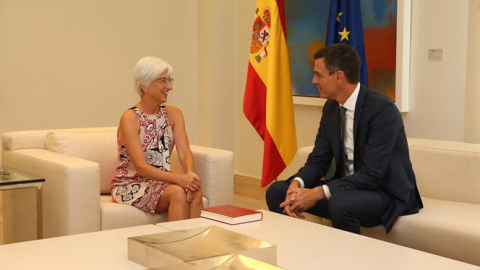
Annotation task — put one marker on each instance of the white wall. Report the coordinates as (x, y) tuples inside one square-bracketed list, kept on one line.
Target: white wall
[(472, 95), (437, 88), (248, 145), (69, 63), (216, 67)]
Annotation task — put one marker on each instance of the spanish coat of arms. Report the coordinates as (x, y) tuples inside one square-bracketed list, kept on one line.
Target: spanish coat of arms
[(260, 35)]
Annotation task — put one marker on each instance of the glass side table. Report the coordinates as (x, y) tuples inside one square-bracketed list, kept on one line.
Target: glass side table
[(17, 181)]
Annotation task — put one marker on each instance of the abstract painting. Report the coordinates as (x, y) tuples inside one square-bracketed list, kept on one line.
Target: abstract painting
[(306, 31)]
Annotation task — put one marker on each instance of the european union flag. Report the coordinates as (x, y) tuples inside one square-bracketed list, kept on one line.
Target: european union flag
[(345, 26)]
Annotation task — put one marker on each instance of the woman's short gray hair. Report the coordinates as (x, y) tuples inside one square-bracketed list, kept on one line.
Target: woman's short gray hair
[(147, 70)]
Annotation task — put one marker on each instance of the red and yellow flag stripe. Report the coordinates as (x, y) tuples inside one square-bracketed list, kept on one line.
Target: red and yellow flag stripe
[(268, 101)]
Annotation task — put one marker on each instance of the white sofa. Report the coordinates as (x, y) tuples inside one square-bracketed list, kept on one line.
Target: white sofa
[(448, 178), (78, 165)]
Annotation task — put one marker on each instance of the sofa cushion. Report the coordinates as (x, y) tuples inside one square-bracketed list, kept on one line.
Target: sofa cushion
[(116, 215), (98, 145), (24, 139), (445, 228), (446, 170)]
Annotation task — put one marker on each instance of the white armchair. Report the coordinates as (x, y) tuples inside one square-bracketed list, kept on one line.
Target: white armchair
[(78, 165)]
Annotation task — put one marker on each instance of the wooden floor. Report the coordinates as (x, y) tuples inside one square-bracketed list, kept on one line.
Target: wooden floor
[(247, 202), (250, 203)]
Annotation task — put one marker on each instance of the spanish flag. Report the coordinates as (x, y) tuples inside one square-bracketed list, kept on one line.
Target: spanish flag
[(268, 102)]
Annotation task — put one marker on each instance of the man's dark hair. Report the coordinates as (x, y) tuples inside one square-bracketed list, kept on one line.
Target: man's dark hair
[(341, 56)]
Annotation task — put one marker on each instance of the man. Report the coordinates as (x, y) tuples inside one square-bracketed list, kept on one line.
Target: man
[(373, 182)]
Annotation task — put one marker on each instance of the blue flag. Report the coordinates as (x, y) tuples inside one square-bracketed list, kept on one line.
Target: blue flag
[(345, 26)]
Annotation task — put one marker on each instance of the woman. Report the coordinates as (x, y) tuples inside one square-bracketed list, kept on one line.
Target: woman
[(146, 136)]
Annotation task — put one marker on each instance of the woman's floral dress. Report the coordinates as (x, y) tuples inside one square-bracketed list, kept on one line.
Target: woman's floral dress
[(156, 137)]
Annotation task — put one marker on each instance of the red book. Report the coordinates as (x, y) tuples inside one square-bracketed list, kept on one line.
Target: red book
[(231, 214)]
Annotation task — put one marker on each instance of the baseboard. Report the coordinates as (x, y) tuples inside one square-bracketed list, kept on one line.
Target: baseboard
[(249, 187)]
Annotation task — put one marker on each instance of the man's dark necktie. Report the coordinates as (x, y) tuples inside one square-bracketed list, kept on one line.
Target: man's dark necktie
[(343, 153)]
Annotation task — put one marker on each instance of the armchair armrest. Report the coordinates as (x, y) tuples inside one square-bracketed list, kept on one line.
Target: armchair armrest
[(297, 162), (71, 202), (215, 167)]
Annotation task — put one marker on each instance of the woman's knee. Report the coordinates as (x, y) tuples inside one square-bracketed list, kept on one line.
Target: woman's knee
[(176, 194)]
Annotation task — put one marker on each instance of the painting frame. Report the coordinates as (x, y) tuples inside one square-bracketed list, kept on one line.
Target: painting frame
[(402, 66)]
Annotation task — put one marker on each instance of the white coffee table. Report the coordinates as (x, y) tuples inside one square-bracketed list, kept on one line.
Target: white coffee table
[(306, 245), (97, 250), (300, 245)]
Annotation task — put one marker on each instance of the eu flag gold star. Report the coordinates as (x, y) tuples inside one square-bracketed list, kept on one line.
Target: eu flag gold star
[(338, 16), (344, 34)]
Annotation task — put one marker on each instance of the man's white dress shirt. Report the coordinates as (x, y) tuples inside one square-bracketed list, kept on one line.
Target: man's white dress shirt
[(349, 145)]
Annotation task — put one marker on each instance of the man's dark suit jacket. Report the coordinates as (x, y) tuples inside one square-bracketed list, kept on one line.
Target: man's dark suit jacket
[(381, 158)]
